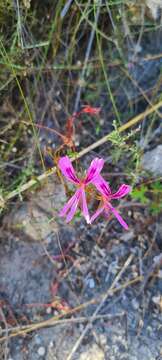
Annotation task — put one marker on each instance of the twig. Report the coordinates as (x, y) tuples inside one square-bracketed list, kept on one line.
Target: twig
[(66, 8), (119, 275), (19, 26), (83, 152), (157, 262), (6, 332), (52, 321), (81, 319), (88, 51)]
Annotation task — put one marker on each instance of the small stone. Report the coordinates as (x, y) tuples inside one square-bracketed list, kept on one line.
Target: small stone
[(149, 330), (51, 344), (48, 310), (55, 313), (137, 48), (57, 106), (93, 353), (81, 327), (127, 236), (103, 340), (154, 7), (102, 121), (158, 301), (135, 274), (91, 283), (79, 63), (41, 351), (135, 304), (37, 339), (159, 274), (152, 161), (14, 149)]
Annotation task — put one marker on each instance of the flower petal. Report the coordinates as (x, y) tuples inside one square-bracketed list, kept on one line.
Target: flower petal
[(102, 186), (67, 169), (68, 205), (91, 110), (94, 170), (85, 207), (74, 206), (118, 216), (97, 213), (122, 191)]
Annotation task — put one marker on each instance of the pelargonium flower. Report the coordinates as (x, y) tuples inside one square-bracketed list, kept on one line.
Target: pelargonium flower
[(79, 198), (106, 197)]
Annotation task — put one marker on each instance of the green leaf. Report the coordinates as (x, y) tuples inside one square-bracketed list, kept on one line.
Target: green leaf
[(139, 194), (157, 186), (155, 208)]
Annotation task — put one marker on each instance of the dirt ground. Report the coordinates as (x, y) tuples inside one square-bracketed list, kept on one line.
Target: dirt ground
[(120, 321)]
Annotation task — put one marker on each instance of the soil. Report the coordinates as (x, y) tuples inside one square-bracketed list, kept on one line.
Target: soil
[(33, 277)]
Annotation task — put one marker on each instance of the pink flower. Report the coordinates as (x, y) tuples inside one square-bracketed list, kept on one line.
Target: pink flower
[(79, 198), (106, 207)]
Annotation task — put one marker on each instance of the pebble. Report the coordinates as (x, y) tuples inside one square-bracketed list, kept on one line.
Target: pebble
[(103, 339), (81, 327), (48, 310), (55, 313), (41, 351), (149, 330), (135, 304), (127, 236), (151, 161), (14, 149), (93, 353), (91, 283), (51, 344), (37, 339)]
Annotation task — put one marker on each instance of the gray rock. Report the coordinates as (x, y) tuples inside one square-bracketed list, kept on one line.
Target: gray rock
[(154, 7), (152, 161), (91, 283), (93, 353), (127, 236), (135, 304), (37, 217), (41, 351)]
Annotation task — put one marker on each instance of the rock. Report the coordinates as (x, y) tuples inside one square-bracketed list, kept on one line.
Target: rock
[(135, 304), (152, 161), (49, 310), (93, 353), (154, 6), (127, 236), (36, 217), (157, 300), (37, 339), (41, 351), (103, 339), (91, 283)]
